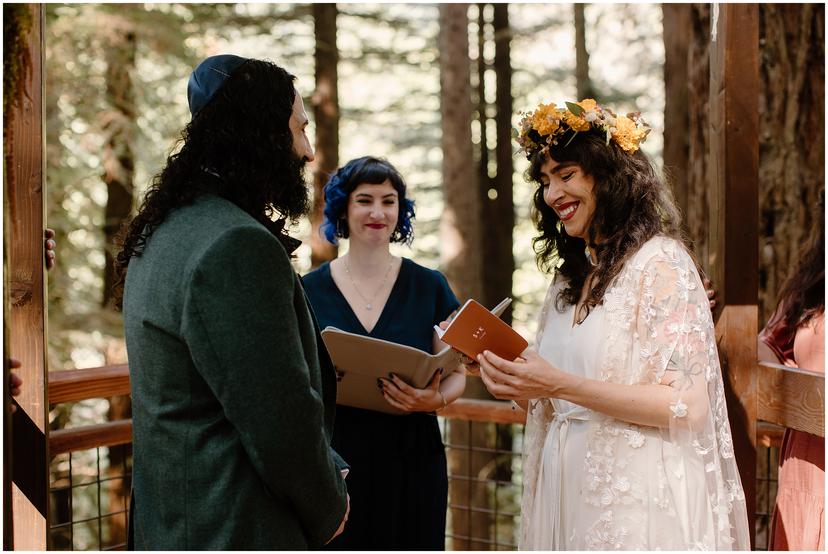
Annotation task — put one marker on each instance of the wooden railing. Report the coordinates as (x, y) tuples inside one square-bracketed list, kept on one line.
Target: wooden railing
[(787, 397)]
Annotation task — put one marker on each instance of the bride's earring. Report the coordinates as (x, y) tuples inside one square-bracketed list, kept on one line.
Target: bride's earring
[(592, 262)]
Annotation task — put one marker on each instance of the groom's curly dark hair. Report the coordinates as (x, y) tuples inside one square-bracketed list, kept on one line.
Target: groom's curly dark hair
[(632, 205), (239, 147)]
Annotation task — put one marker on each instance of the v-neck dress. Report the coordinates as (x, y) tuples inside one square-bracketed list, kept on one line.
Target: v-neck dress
[(398, 482)]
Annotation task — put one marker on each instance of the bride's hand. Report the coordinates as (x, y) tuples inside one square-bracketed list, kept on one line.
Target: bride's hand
[(528, 377)]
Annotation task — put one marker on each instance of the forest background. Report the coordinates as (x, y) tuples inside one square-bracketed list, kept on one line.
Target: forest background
[(435, 89)]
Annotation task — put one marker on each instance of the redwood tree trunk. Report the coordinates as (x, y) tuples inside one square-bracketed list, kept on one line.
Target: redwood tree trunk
[(677, 32), (118, 157), (792, 138), (698, 94), (460, 230), (582, 79), (326, 117), (119, 169)]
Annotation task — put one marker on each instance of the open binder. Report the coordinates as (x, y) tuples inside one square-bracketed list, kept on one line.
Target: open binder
[(361, 360)]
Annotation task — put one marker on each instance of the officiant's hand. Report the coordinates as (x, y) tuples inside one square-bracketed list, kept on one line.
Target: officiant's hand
[(409, 399), (528, 377)]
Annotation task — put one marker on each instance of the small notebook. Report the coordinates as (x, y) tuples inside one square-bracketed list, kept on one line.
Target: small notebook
[(475, 329)]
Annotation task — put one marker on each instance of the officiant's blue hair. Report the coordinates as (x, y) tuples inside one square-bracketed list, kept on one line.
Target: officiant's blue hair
[(374, 171)]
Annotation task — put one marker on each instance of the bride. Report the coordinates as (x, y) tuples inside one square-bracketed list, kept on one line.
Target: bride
[(628, 444)]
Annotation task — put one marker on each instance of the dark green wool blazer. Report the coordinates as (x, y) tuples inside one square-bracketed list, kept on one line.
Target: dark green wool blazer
[(232, 396)]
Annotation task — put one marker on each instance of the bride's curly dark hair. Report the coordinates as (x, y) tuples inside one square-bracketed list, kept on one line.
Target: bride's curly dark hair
[(632, 205), (239, 147)]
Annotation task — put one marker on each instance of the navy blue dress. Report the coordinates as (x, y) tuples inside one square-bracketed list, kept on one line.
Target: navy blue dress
[(398, 482)]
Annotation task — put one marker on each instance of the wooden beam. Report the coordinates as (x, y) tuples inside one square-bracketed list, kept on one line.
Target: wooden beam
[(734, 220), (111, 433), (26, 282), (81, 384), (492, 411), (791, 397)]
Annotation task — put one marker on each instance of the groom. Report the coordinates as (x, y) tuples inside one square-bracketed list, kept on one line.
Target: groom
[(233, 392)]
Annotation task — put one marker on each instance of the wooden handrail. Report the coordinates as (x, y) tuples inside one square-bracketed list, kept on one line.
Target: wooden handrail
[(791, 397), (82, 384), (492, 411), (87, 437)]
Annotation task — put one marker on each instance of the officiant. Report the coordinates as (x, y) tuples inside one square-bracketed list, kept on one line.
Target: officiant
[(398, 481)]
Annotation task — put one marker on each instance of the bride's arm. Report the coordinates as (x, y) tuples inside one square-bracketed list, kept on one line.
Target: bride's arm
[(677, 355), (534, 377)]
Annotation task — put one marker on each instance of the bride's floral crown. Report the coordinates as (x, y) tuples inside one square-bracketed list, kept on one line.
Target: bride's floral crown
[(548, 124)]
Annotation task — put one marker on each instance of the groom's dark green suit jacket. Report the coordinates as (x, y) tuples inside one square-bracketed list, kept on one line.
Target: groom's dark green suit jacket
[(233, 393)]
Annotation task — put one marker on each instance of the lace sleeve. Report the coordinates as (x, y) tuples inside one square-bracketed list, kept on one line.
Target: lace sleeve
[(675, 332)]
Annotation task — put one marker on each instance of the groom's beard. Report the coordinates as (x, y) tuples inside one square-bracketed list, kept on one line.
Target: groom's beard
[(291, 199)]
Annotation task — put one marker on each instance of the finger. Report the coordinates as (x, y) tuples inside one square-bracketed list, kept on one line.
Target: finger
[(50, 244), (712, 304), (443, 325), (15, 381), (402, 385), (434, 384), (498, 390), (394, 402), (14, 363), (711, 293), (48, 233), (502, 365), (394, 391)]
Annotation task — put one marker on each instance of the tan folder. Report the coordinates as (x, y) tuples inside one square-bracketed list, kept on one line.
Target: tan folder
[(361, 360)]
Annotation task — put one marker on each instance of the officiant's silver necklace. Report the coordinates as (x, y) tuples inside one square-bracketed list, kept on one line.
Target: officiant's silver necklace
[(369, 304)]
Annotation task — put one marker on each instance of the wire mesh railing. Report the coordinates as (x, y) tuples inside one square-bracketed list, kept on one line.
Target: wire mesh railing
[(89, 498)]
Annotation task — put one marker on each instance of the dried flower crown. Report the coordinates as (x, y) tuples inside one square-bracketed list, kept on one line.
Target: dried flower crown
[(547, 124)]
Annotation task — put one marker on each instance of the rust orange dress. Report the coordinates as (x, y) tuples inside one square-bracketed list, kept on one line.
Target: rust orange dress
[(798, 521)]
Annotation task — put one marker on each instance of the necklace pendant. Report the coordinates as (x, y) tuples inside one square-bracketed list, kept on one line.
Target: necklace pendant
[(368, 306)]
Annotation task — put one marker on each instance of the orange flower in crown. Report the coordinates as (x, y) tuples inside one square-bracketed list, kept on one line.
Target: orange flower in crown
[(548, 124)]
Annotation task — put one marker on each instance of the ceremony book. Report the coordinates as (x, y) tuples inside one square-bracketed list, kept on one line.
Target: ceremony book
[(361, 360), (475, 329)]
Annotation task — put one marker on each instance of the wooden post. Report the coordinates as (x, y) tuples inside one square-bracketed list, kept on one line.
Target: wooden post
[(734, 219), (24, 227)]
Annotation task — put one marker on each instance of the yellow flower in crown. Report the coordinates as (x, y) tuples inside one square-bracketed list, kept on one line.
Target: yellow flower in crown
[(548, 123), (588, 104), (627, 134), (546, 119)]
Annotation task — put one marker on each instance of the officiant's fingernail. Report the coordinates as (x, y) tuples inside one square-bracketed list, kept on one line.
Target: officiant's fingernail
[(391, 375), (379, 383), (441, 371)]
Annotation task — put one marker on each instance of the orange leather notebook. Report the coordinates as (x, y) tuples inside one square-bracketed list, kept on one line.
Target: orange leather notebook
[(475, 329)]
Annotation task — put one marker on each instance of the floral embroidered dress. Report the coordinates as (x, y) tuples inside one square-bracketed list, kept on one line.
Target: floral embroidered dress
[(592, 482)]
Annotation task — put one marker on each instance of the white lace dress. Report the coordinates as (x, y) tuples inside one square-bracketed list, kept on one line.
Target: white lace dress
[(592, 482)]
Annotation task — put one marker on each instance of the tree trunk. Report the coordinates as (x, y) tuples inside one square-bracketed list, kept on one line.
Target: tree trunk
[(460, 226), (582, 80), (326, 117), (792, 138), (500, 210), (698, 94), (460, 230), (118, 157), (677, 31), (119, 170)]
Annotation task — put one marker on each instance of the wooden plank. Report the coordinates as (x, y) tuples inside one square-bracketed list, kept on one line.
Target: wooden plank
[(769, 435), (26, 276), (495, 411), (791, 397), (81, 384), (111, 433), (733, 254)]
